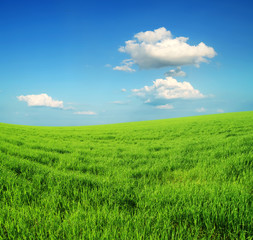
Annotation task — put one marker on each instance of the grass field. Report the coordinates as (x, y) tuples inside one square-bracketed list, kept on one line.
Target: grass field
[(185, 178)]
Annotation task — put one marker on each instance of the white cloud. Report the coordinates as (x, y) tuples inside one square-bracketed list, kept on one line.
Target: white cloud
[(123, 90), (125, 66), (85, 113), (202, 109), (157, 49), (220, 110), (166, 106), (167, 89), (41, 100), (69, 108), (108, 65), (175, 73), (120, 102)]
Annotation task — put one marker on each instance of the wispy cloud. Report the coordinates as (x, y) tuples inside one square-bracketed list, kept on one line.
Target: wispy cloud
[(123, 90), (166, 106), (202, 109), (85, 113), (158, 48), (220, 110), (120, 102), (125, 66), (40, 100)]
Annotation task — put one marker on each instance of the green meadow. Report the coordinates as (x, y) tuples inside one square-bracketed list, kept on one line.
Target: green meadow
[(184, 178)]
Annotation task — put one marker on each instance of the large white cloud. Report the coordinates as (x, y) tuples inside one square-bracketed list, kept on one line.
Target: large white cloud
[(157, 49), (41, 100), (167, 89)]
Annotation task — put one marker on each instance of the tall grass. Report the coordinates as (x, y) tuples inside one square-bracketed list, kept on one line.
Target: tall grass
[(185, 178)]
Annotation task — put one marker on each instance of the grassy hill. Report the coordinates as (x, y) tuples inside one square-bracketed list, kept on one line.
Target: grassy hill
[(185, 178)]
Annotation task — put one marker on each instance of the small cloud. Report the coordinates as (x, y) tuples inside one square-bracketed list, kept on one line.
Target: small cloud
[(175, 73), (120, 102), (108, 65), (40, 100), (167, 89), (88, 66), (202, 109), (158, 48), (123, 90), (166, 106), (220, 110), (85, 113), (211, 95), (69, 108), (125, 66)]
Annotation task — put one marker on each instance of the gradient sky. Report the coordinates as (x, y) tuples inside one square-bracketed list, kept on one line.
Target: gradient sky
[(62, 62)]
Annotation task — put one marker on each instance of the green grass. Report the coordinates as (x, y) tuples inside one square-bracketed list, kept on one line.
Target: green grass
[(185, 178)]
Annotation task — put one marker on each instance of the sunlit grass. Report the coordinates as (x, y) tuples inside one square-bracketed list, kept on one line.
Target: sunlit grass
[(186, 178)]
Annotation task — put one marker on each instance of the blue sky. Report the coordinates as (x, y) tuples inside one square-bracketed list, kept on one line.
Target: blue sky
[(68, 63)]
